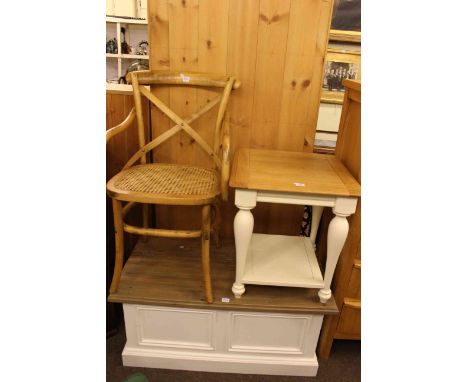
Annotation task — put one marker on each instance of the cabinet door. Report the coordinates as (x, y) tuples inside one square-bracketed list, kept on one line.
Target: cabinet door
[(110, 7), (143, 9), (354, 287), (125, 8), (349, 326)]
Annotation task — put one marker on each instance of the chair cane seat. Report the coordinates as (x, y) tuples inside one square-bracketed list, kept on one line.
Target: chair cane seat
[(165, 183)]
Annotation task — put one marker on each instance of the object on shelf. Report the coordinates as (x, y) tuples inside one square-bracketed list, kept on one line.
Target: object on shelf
[(125, 48), (142, 48), (136, 65), (111, 46)]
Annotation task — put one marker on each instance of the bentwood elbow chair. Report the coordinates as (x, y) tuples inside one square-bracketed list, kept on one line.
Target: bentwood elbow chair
[(167, 183)]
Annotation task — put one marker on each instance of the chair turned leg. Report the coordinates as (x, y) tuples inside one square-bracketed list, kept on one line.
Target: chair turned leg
[(145, 220), (119, 244), (205, 244), (216, 224)]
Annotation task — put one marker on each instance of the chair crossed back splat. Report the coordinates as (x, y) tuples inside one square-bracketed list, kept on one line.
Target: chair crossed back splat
[(173, 184)]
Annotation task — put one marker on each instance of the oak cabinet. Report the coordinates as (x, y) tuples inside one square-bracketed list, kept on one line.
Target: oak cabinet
[(347, 280)]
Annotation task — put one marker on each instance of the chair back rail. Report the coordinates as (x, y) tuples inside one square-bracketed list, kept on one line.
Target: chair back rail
[(149, 77)]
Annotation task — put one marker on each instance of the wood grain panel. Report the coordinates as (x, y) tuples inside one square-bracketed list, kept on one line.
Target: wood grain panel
[(298, 75), (271, 48), (212, 53), (354, 286), (241, 61), (266, 44), (159, 60), (183, 19), (183, 56), (349, 326), (323, 29), (325, 174), (159, 35), (351, 158)]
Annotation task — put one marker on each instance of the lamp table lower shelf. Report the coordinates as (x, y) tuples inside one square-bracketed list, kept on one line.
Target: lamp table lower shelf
[(283, 261)]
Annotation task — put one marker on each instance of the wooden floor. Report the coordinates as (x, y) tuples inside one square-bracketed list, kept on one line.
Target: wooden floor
[(167, 272)]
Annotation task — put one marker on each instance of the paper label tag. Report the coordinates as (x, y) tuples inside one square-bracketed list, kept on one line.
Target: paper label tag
[(225, 299), (299, 184), (184, 78)]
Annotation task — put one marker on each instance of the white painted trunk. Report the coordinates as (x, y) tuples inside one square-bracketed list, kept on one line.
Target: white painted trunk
[(221, 341)]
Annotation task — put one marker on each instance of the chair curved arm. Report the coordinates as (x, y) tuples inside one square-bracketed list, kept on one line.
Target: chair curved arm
[(121, 126)]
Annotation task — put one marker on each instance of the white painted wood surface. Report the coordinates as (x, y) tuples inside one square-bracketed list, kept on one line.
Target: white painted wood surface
[(336, 237), (292, 198), (285, 260), (120, 88), (142, 9), (328, 123), (329, 117), (122, 20), (221, 341), (125, 8), (129, 56), (243, 228)]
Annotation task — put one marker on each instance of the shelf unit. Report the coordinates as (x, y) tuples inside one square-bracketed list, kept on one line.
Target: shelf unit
[(117, 63)]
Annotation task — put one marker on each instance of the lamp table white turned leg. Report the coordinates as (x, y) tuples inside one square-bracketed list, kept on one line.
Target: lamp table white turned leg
[(243, 229), (336, 237)]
